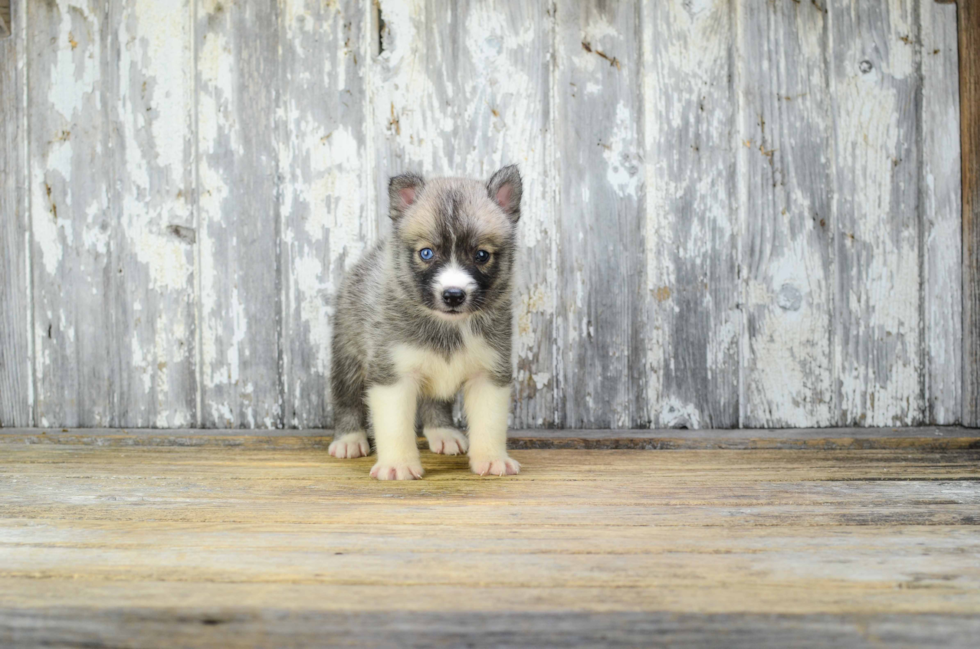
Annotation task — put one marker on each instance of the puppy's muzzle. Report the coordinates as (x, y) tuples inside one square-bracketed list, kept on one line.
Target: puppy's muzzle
[(453, 289)]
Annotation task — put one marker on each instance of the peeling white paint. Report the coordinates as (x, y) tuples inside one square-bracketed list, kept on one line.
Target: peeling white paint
[(673, 413), (689, 210), (541, 380), (51, 235), (334, 197), (876, 357), (312, 290), (483, 111), (213, 191), (75, 65), (624, 164), (215, 118), (325, 220), (941, 213), (537, 301)]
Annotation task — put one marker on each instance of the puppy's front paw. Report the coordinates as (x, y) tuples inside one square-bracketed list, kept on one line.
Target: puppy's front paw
[(447, 441), (397, 471), (503, 465), (350, 446)]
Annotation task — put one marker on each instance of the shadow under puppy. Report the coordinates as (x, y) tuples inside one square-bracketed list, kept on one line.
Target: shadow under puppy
[(428, 311)]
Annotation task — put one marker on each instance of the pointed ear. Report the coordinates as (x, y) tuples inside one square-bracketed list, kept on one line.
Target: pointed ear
[(403, 191), (504, 188)]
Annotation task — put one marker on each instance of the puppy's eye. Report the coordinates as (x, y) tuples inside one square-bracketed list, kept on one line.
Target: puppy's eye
[(426, 254), (482, 256)]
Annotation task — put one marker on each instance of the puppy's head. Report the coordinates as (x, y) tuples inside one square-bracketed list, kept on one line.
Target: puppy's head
[(454, 239)]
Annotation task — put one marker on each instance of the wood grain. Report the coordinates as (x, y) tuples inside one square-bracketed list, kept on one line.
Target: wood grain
[(942, 216), (111, 117), (239, 233), (16, 371), (786, 188), (969, 59), (878, 354), (278, 628), (599, 151), (265, 539), (74, 265), (325, 179), (461, 90), (692, 350), (151, 229)]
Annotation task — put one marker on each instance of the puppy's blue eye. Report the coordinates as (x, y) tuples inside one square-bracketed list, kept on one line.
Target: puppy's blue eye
[(482, 256), (426, 254)]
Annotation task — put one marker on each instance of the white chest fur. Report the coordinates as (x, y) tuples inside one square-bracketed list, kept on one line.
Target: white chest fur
[(442, 377)]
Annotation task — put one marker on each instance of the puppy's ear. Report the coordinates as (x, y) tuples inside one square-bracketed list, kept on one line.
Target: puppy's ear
[(403, 191), (504, 188)]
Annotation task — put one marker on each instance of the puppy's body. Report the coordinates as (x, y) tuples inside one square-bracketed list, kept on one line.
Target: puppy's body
[(428, 311)]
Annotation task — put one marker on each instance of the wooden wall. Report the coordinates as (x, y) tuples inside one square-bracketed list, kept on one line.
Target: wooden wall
[(736, 213)]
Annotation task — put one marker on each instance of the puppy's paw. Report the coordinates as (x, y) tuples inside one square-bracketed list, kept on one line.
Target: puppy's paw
[(447, 441), (350, 446), (502, 465), (397, 471)]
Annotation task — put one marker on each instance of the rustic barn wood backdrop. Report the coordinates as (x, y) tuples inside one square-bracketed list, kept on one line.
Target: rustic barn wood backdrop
[(737, 213)]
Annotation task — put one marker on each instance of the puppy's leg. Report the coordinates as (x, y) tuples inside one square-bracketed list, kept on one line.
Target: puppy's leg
[(487, 405), (350, 414), (393, 416), (437, 426)]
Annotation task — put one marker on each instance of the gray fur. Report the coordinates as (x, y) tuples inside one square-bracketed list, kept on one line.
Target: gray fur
[(382, 303), (434, 413)]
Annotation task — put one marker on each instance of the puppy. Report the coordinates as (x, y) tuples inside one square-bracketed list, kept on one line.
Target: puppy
[(428, 311)]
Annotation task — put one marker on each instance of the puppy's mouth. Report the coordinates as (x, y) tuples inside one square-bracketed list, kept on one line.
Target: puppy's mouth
[(451, 314)]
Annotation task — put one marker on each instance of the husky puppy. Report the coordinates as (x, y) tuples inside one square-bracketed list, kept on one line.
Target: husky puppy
[(428, 311)]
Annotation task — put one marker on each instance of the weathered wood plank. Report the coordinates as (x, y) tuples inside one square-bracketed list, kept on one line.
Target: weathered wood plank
[(824, 439), (598, 152), (785, 192), (238, 235), (364, 558), (969, 86), (149, 88), (463, 90), (291, 178), (235, 540), (73, 261), (878, 354), (691, 228), (927, 438), (111, 106), (323, 162), (942, 219), (213, 627), (16, 327)]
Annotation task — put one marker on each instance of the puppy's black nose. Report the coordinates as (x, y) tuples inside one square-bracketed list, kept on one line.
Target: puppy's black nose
[(454, 296)]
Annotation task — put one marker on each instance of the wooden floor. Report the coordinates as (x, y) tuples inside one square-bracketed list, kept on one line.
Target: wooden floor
[(226, 541)]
